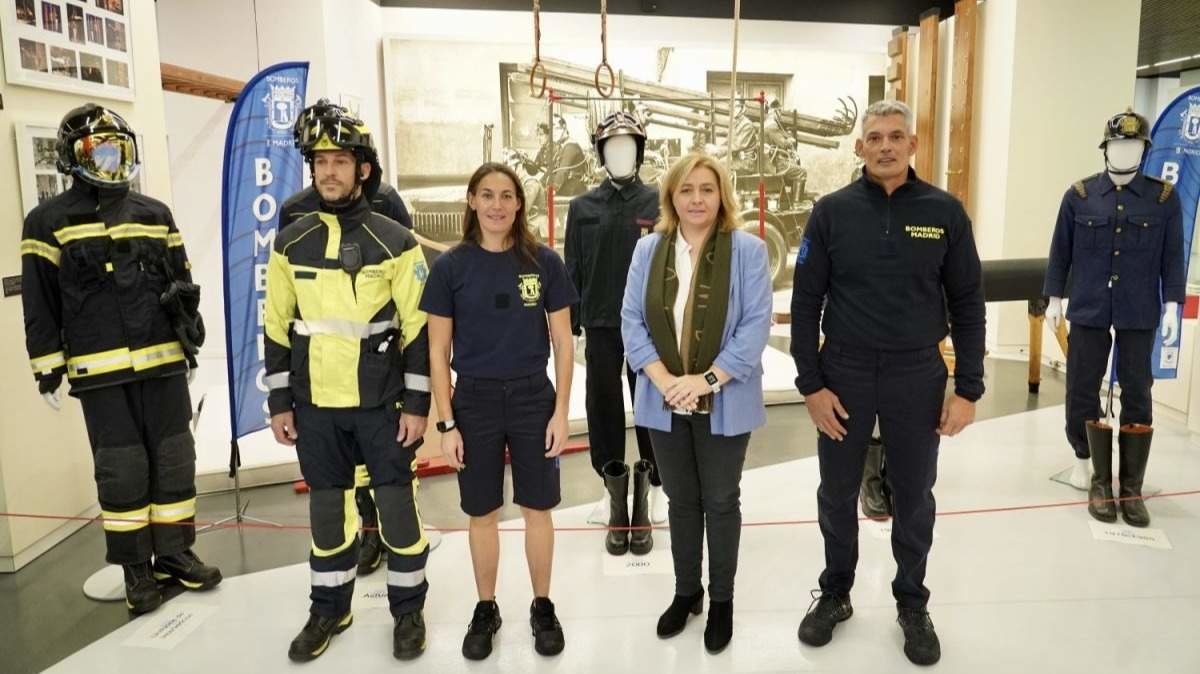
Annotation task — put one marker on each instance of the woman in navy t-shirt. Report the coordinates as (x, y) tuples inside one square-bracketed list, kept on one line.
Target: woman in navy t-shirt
[(499, 299)]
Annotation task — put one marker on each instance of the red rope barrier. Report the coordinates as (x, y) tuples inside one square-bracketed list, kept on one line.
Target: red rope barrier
[(747, 525)]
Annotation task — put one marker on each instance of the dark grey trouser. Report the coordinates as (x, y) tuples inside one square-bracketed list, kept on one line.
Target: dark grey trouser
[(702, 475)]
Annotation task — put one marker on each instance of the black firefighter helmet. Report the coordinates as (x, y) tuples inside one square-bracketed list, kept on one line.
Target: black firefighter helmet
[(327, 126), (620, 123), (97, 146), (1127, 125)]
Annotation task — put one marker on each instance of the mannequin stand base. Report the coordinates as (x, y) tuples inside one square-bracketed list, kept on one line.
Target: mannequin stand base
[(107, 584), (1064, 477)]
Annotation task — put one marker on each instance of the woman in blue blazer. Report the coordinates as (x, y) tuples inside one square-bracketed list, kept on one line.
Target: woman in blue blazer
[(700, 277)]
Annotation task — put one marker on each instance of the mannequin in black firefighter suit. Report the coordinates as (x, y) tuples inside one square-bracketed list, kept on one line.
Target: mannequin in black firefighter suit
[(103, 275), (386, 201), (347, 363), (603, 226), (1119, 241)]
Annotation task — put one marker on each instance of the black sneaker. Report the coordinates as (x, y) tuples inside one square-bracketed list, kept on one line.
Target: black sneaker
[(547, 632), (477, 645), (408, 637), (187, 568), (824, 613), (312, 641), (921, 643), (370, 552), (141, 590)]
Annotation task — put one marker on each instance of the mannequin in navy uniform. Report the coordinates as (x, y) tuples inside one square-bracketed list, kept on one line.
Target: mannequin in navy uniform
[(1119, 236), (603, 226)]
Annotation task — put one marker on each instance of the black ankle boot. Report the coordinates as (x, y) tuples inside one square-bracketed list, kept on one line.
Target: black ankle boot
[(616, 480), (719, 630), (641, 540), (187, 568), (674, 619), (312, 641), (141, 591)]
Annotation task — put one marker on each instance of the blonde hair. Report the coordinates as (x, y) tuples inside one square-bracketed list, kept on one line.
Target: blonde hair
[(727, 214)]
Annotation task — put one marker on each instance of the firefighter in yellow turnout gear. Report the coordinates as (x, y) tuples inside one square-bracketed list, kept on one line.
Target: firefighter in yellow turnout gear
[(347, 361), (109, 303)]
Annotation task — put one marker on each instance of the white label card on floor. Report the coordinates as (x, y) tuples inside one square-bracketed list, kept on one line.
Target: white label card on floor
[(657, 562), (1118, 533), (167, 627), (882, 530)]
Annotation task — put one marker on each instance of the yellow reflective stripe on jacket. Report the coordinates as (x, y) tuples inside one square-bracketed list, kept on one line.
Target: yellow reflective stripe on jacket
[(48, 362), (173, 512), (128, 520), (121, 359), (76, 232), (334, 326), (129, 231), (174, 240), (41, 249), (122, 231)]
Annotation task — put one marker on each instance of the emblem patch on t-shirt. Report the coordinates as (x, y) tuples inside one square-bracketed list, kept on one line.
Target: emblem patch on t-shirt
[(924, 231), (530, 286)]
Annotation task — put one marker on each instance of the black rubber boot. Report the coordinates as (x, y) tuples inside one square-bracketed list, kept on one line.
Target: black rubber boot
[(312, 641), (1100, 496), (1134, 442), (641, 541), (187, 568), (876, 504), (370, 547), (141, 591), (616, 480)]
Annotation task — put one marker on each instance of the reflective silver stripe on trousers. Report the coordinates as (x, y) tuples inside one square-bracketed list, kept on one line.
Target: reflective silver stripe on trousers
[(337, 326), (406, 578), (333, 578), (278, 380), (416, 382)]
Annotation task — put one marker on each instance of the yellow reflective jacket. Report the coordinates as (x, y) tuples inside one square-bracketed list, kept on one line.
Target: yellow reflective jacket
[(342, 323)]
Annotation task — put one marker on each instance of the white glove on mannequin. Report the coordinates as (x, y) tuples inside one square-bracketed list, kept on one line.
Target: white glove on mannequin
[(1054, 312), (1170, 323), (191, 374), (53, 399)]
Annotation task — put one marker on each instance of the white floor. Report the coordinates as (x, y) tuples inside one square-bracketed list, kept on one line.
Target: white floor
[(1013, 591)]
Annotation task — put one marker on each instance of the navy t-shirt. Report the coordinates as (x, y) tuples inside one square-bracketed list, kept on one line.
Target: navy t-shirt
[(499, 306)]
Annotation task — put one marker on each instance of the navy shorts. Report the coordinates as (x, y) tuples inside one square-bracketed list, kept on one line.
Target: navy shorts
[(494, 414)]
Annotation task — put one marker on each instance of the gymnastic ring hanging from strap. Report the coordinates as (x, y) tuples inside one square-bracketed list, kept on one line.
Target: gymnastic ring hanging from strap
[(612, 80), (537, 53)]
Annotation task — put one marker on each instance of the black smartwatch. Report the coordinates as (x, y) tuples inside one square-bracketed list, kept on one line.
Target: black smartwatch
[(446, 425), (713, 382)]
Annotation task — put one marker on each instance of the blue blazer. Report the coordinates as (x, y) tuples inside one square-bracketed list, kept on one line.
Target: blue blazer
[(738, 408)]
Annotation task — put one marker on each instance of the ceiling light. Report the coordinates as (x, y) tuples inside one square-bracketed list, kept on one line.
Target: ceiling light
[(1170, 61)]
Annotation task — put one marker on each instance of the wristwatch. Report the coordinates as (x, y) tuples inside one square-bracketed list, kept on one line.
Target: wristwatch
[(713, 382), (446, 425)]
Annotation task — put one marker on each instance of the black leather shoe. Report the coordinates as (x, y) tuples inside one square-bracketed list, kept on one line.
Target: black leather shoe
[(186, 568), (674, 619), (719, 630), (312, 641), (477, 645), (408, 637), (370, 552), (920, 640), (824, 613), (547, 632), (141, 591)]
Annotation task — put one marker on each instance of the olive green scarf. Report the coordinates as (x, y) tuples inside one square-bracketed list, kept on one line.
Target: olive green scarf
[(704, 317)]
